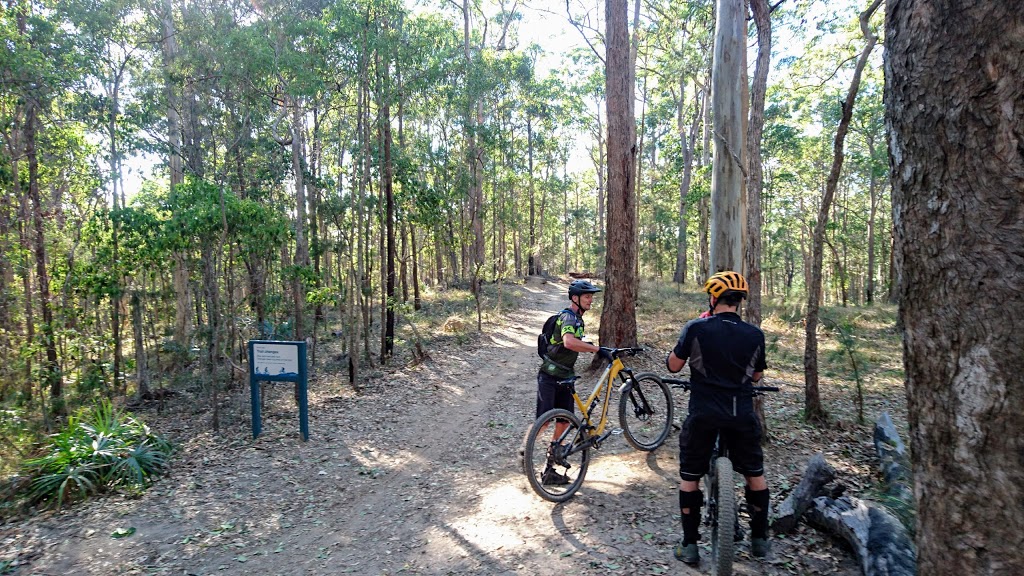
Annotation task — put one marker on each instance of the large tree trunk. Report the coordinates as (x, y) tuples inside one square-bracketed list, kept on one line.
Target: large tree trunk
[(618, 319), (953, 109), (755, 129), (728, 204), (813, 410), (169, 46)]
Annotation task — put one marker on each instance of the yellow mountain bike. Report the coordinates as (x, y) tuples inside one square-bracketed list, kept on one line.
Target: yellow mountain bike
[(558, 445)]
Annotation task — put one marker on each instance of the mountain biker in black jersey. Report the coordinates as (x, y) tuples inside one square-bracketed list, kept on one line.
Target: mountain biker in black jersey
[(564, 346), (727, 357)]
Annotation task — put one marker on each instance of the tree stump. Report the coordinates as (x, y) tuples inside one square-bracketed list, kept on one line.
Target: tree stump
[(878, 539), (816, 476)]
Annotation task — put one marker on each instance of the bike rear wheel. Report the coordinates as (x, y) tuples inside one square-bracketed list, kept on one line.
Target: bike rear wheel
[(556, 465), (723, 490), (646, 411)]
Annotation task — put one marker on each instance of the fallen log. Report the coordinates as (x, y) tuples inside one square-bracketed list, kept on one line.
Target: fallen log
[(818, 474), (582, 275), (879, 540)]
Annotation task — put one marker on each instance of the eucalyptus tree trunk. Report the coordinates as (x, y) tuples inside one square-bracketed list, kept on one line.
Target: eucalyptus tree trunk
[(301, 242), (869, 280), (416, 303), (474, 152), (705, 202), (403, 259), (113, 90), (755, 180), (813, 410), (728, 204), (25, 244), (388, 329), (598, 155), (953, 111), (51, 370), (532, 260), (687, 141), (363, 221), (618, 318), (315, 162), (169, 48)]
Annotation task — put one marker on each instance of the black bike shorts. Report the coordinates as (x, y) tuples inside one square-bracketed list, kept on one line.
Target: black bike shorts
[(551, 394), (742, 434)]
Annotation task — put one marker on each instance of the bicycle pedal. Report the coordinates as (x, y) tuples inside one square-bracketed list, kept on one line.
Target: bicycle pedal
[(616, 431)]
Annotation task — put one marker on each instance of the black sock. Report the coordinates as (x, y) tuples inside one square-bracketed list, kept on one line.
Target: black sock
[(691, 521), (758, 503)]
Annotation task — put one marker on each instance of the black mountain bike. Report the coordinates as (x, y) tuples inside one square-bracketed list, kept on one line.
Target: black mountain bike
[(720, 512)]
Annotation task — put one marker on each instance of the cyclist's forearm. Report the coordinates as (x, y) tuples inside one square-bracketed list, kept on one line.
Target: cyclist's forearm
[(576, 345)]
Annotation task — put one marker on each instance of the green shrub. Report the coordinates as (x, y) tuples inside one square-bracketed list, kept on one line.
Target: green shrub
[(104, 448)]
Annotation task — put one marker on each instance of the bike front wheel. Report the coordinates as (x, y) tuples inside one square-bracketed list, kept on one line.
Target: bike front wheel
[(645, 411), (723, 525), (556, 456)]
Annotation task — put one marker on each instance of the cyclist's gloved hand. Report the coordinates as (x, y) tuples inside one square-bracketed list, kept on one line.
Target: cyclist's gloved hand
[(605, 353)]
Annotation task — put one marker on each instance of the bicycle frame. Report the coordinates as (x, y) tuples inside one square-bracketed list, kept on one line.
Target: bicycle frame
[(603, 385)]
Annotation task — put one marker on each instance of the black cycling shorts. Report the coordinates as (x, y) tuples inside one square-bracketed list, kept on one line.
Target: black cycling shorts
[(742, 434), (551, 394)]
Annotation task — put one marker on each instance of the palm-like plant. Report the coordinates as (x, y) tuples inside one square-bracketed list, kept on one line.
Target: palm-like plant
[(106, 448)]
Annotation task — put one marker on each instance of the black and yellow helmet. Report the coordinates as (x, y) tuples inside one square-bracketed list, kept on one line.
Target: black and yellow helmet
[(726, 281)]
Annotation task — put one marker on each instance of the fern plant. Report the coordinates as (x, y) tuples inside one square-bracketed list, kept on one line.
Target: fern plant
[(101, 449)]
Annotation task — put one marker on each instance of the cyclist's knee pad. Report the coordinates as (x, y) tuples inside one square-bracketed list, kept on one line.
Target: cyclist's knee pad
[(691, 500), (758, 500)]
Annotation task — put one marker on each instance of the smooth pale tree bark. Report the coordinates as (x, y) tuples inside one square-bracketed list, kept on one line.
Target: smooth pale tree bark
[(169, 48), (813, 410), (705, 203), (954, 114), (728, 203), (687, 141), (618, 318), (755, 129)]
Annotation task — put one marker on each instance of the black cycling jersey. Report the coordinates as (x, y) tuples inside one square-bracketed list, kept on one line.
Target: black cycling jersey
[(723, 352)]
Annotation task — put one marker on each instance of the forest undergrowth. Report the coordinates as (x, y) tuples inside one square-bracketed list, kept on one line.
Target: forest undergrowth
[(859, 347)]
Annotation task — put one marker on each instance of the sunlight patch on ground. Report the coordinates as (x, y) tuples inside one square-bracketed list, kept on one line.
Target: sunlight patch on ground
[(508, 515)]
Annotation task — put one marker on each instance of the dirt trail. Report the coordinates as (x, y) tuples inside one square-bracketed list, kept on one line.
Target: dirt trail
[(418, 474)]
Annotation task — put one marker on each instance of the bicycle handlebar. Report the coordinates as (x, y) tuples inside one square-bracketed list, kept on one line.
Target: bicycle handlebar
[(625, 351), (685, 385)]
